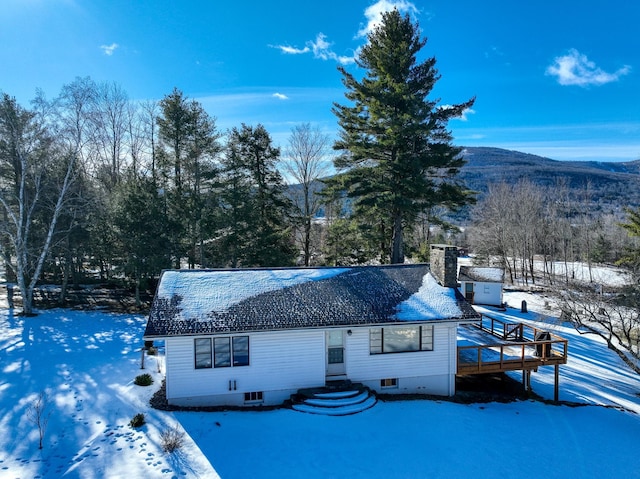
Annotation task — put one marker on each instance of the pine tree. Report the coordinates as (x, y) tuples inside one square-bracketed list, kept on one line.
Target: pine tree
[(141, 225), (631, 256), (397, 156), (187, 159), (254, 200)]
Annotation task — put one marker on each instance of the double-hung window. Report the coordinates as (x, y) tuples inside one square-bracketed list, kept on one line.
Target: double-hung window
[(400, 339), (203, 353), (221, 352), (240, 350)]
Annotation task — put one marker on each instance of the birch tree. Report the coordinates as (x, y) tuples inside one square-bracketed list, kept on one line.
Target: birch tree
[(32, 196)]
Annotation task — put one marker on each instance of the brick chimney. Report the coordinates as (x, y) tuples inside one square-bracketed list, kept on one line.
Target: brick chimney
[(444, 264)]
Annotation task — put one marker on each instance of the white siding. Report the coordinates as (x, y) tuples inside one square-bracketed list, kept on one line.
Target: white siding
[(429, 372), (279, 361), (485, 292), (284, 361)]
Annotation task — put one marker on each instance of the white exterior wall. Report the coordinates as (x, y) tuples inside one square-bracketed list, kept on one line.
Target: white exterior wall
[(422, 372), (280, 363), (488, 293)]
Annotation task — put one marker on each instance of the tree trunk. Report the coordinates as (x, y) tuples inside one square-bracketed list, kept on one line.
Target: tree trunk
[(65, 282), (397, 251)]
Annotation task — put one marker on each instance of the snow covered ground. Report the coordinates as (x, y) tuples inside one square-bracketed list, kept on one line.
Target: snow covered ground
[(604, 275), (86, 363)]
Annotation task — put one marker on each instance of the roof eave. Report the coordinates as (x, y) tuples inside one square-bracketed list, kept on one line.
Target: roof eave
[(413, 322)]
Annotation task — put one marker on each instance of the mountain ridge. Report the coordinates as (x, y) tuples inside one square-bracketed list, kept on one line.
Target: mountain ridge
[(607, 182)]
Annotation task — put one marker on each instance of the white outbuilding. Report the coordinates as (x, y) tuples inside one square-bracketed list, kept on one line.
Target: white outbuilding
[(482, 285)]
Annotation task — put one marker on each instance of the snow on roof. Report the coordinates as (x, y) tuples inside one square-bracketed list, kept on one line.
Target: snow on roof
[(432, 301), (480, 273), (223, 301), (217, 291)]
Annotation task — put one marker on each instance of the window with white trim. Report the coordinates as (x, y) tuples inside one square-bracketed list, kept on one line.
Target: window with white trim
[(202, 353), (389, 383), (255, 396), (222, 352), (400, 339)]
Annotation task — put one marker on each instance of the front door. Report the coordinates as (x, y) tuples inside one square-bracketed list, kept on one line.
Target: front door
[(335, 352)]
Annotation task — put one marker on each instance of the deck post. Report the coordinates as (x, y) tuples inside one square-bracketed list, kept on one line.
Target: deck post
[(556, 388), (526, 380)]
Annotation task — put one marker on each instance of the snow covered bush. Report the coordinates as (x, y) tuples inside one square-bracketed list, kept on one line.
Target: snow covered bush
[(137, 420), (143, 380)]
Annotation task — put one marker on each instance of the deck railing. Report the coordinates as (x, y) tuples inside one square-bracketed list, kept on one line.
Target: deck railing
[(522, 347)]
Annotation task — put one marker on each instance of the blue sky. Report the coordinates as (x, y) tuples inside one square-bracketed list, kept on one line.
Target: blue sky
[(556, 78)]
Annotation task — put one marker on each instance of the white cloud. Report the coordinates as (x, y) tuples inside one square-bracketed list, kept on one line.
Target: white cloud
[(280, 96), (374, 12), (291, 50), (320, 48), (575, 68), (109, 49)]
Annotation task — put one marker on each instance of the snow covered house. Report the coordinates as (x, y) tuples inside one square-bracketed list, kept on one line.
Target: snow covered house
[(245, 337), (481, 285)]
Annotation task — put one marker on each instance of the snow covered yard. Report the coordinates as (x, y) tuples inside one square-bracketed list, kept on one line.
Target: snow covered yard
[(441, 439), (86, 362)]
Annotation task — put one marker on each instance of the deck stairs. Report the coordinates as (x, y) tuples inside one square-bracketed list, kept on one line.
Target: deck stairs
[(340, 399)]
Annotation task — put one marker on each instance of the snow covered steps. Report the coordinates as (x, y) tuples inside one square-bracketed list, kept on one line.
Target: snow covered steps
[(331, 402)]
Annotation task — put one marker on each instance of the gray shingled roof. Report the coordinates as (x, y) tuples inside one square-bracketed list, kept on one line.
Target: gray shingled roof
[(192, 302), (484, 274)]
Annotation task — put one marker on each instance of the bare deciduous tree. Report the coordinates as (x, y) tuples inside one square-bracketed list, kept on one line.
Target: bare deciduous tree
[(614, 316), (306, 162), (39, 413)]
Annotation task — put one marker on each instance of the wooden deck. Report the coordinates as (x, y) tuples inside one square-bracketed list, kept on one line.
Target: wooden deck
[(495, 346)]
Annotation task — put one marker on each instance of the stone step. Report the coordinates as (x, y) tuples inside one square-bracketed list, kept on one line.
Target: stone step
[(334, 401), (338, 394), (330, 401), (339, 410)]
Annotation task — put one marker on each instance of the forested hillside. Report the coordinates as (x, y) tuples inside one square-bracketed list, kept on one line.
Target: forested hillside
[(607, 184)]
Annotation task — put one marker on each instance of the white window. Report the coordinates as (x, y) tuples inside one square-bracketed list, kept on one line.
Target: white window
[(389, 383), (222, 352), (202, 353), (255, 396), (400, 339)]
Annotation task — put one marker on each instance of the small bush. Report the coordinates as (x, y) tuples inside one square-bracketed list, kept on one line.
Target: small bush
[(172, 439), (152, 351), (137, 421), (143, 380)]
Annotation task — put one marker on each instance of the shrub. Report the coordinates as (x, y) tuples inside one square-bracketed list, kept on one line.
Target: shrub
[(172, 439), (152, 351), (137, 420), (143, 380)]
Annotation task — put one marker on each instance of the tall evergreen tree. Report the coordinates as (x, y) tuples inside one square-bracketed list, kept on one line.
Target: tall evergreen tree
[(141, 226), (261, 216), (187, 157), (397, 157), (631, 256)]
